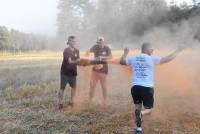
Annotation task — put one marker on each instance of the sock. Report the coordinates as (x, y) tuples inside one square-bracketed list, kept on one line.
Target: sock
[(139, 128)]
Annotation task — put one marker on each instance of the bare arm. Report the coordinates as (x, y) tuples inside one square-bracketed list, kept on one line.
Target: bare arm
[(171, 56), (105, 57), (123, 57), (73, 61), (121, 60), (92, 50)]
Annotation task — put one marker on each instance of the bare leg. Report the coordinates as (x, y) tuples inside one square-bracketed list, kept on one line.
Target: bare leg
[(143, 112), (60, 96), (73, 93), (60, 99), (139, 113), (93, 83), (103, 81), (104, 96), (146, 112), (138, 116), (92, 89)]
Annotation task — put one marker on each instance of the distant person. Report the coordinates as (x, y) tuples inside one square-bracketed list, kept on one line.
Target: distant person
[(99, 72), (68, 73), (143, 78)]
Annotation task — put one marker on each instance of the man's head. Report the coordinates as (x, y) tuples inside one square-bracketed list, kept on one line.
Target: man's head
[(100, 41), (71, 41), (147, 48)]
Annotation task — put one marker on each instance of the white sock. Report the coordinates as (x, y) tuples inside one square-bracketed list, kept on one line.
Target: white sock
[(139, 128)]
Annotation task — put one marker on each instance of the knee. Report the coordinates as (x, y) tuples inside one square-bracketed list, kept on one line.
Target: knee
[(146, 111), (92, 85), (104, 86)]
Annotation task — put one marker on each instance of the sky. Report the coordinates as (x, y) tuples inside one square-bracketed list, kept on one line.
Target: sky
[(34, 16), (30, 16)]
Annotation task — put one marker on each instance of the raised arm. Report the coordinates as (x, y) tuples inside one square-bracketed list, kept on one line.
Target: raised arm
[(121, 60), (123, 57), (171, 56)]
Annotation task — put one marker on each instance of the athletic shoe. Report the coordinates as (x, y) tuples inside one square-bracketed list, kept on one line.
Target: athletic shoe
[(138, 131)]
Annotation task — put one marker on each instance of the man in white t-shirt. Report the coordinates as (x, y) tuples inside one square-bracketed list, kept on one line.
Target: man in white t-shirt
[(143, 78)]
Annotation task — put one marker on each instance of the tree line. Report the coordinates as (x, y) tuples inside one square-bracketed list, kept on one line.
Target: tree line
[(119, 21)]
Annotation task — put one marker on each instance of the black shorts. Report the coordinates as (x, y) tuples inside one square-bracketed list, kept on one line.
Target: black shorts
[(143, 95), (64, 80)]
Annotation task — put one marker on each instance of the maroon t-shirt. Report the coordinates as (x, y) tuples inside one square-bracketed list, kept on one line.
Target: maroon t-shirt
[(66, 68), (101, 51)]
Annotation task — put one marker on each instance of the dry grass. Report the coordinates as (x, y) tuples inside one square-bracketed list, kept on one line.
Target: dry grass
[(28, 103), (27, 91)]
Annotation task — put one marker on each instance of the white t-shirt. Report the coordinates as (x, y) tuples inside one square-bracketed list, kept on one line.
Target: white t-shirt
[(143, 69)]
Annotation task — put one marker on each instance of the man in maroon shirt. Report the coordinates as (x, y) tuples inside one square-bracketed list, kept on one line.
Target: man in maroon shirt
[(68, 70), (100, 71), (68, 73)]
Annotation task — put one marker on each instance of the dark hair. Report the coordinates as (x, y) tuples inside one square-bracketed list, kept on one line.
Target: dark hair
[(70, 38), (145, 45)]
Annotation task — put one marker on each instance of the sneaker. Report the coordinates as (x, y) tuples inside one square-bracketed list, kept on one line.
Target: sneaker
[(138, 118), (60, 107), (137, 131)]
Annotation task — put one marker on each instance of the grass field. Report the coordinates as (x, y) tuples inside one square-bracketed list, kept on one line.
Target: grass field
[(28, 101)]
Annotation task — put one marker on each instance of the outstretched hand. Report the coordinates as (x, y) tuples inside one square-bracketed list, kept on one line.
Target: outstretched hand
[(87, 62), (83, 62), (126, 51)]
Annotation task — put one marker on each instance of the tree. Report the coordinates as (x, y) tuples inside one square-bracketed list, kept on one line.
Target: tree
[(5, 43)]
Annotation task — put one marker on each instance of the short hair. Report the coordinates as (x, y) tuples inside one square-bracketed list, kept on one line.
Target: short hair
[(145, 46), (100, 39), (71, 37)]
